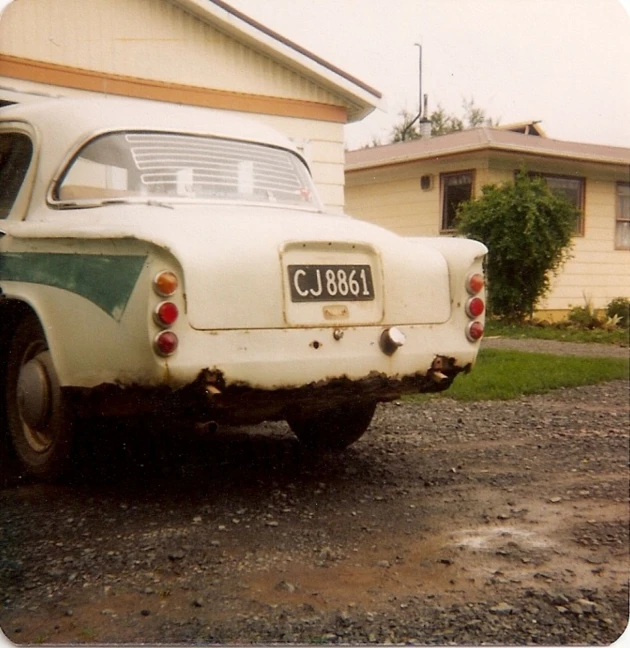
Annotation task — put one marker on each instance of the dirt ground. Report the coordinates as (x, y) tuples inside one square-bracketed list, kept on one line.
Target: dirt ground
[(446, 524)]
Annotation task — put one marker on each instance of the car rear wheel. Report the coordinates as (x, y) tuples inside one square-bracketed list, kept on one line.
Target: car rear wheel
[(38, 419), (334, 429)]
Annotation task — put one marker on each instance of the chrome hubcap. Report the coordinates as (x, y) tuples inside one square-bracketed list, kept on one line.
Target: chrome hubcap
[(34, 399)]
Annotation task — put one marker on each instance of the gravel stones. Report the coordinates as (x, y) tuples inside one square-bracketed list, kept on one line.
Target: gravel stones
[(510, 528)]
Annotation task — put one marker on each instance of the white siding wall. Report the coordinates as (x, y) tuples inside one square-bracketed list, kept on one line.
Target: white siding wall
[(322, 146), (150, 39)]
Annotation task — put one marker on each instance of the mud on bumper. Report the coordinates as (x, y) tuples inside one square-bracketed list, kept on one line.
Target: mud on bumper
[(209, 398)]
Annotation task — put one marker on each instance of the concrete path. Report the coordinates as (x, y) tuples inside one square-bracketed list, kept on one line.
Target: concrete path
[(556, 347)]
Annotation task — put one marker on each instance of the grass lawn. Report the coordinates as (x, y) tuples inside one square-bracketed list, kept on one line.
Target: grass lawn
[(503, 375)]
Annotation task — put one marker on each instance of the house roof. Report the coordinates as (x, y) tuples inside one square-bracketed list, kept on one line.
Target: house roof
[(479, 139), (361, 97)]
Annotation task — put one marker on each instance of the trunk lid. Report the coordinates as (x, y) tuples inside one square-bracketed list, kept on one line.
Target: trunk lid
[(249, 267)]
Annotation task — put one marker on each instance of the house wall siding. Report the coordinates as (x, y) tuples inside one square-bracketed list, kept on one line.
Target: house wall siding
[(321, 143), (397, 205), (392, 197), (597, 272), (149, 39)]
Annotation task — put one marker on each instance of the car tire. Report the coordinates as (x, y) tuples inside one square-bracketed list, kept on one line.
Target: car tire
[(334, 429), (37, 417)]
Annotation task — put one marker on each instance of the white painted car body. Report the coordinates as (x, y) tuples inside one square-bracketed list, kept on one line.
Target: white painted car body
[(253, 338)]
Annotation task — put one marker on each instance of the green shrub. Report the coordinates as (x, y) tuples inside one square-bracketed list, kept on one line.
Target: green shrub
[(528, 231), (584, 317), (619, 308)]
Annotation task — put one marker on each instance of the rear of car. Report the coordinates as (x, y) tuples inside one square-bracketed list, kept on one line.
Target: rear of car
[(194, 273)]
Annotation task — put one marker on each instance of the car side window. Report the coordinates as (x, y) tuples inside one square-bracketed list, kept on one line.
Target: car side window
[(16, 151)]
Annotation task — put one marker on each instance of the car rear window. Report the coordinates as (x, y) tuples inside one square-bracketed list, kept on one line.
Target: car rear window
[(178, 167)]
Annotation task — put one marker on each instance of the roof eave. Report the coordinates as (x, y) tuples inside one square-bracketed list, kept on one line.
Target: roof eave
[(418, 157), (565, 155), (487, 145)]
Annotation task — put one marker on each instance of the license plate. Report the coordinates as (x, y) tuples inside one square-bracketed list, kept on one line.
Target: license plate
[(331, 283)]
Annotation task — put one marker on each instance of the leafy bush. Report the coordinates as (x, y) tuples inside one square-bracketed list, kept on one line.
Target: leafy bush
[(619, 309), (584, 317), (528, 231)]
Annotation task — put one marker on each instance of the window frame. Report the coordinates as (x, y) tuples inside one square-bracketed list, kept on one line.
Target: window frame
[(619, 218), (135, 146), (580, 228), (444, 229)]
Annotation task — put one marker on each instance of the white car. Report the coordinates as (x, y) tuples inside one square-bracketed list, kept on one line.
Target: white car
[(176, 261)]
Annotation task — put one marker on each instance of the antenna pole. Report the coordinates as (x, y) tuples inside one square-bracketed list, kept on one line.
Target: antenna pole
[(419, 79), (419, 115)]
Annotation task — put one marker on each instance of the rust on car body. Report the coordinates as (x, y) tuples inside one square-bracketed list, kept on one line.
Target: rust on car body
[(210, 397)]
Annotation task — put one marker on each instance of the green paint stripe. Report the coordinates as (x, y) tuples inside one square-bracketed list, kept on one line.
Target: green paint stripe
[(106, 280)]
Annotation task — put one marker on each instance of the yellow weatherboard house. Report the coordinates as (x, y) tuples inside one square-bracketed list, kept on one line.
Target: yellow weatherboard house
[(413, 188)]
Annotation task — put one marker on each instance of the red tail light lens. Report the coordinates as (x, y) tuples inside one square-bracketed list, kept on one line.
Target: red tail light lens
[(475, 283), (474, 331), (166, 313), (475, 307), (166, 343), (165, 283)]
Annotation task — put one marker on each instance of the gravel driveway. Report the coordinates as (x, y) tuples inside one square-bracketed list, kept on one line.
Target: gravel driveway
[(448, 523)]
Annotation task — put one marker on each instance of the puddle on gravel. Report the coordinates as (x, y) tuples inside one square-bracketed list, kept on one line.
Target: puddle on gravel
[(540, 550), (484, 538)]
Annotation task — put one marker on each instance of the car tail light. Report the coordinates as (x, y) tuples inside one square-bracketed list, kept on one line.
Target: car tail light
[(475, 307), (165, 283), (166, 313), (474, 331), (166, 343), (475, 283)]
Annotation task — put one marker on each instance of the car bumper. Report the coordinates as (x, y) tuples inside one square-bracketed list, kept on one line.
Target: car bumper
[(255, 375)]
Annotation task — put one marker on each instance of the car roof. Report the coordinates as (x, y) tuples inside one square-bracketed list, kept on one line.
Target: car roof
[(75, 119), (63, 125)]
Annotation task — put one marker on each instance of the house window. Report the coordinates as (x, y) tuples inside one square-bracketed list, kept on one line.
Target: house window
[(456, 189), (622, 225), (570, 188)]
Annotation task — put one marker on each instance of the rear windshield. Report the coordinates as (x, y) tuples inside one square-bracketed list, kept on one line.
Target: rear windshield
[(172, 167)]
